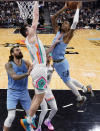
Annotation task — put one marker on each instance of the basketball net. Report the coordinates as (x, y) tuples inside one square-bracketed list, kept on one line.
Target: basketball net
[(26, 9)]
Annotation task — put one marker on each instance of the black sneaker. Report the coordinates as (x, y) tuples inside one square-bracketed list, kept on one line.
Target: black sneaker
[(81, 102), (89, 90)]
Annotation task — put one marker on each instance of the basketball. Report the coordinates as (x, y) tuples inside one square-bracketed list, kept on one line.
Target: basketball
[(72, 5)]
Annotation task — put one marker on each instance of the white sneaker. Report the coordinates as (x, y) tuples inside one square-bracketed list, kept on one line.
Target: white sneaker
[(81, 102)]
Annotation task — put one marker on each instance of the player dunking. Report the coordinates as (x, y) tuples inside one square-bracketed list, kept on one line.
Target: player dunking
[(60, 63)]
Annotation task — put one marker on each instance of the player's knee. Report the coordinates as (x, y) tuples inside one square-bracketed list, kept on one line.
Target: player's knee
[(44, 108), (44, 111), (54, 108), (68, 82), (9, 119), (39, 98)]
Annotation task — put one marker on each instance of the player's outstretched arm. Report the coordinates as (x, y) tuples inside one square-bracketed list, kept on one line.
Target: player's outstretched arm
[(33, 28), (50, 49), (54, 18), (35, 15), (76, 16), (69, 35), (53, 45)]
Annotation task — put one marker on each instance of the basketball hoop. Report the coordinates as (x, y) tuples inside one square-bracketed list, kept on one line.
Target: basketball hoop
[(26, 9)]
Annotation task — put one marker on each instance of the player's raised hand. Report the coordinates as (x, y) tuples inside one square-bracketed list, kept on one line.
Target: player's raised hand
[(79, 5), (66, 5)]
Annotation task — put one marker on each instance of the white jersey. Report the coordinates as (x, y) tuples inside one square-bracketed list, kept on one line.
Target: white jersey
[(37, 52)]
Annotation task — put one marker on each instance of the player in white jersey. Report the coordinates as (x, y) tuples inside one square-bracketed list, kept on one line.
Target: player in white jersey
[(39, 72), (48, 98)]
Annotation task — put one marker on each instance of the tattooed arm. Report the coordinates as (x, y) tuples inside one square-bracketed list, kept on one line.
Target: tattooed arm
[(11, 72)]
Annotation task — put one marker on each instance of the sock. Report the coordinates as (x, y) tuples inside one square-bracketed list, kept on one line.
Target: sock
[(79, 98), (48, 119), (84, 89), (27, 113), (34, 116), (29, 119), (39, 127)]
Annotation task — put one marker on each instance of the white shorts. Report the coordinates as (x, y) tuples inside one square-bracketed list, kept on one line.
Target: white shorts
[(39, 78)]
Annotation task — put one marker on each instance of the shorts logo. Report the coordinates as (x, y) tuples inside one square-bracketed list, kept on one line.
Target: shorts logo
[(66, 73), (41, 83)]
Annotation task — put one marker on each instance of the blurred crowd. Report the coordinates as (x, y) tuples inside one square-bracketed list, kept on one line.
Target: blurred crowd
[(10, 15), (89, 14)]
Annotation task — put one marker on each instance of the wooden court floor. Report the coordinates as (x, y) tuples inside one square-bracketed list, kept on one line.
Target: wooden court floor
[(84, 66)]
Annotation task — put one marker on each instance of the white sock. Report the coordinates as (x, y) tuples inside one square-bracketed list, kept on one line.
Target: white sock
[(34, 116), (84, 89), (79, 98), (29, 119), (48, 119), (39, 127), (27, 113)]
